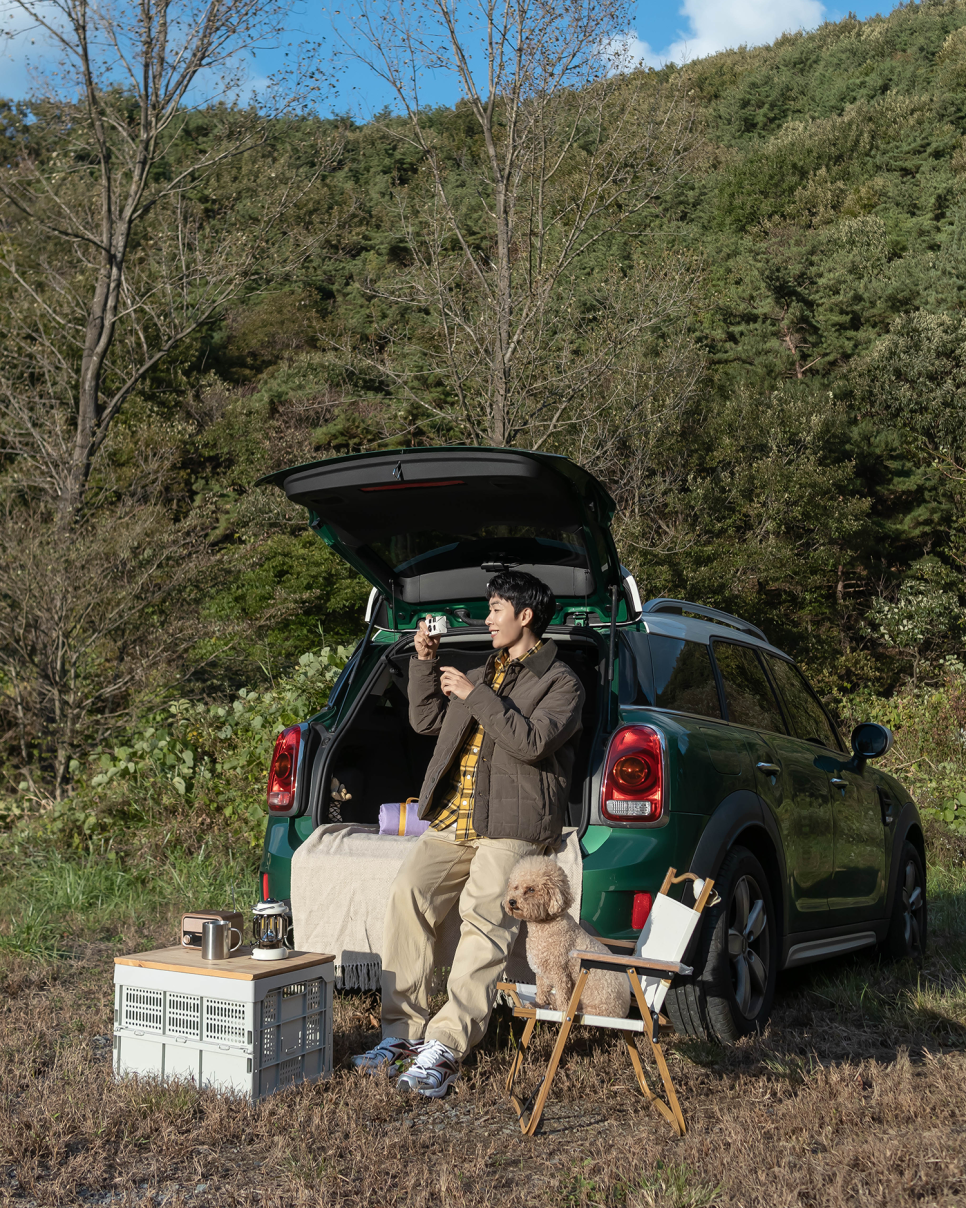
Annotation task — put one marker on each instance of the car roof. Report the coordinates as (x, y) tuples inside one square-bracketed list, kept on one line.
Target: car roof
[(698, 629)]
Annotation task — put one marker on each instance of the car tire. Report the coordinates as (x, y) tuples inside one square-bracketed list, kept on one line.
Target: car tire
[(906, 939), (736, 964)]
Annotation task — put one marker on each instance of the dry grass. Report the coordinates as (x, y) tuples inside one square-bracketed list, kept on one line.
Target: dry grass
[(855, 1095)]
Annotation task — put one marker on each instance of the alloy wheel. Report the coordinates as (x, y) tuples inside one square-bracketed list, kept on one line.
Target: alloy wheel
[(748, 946), (913, 901)]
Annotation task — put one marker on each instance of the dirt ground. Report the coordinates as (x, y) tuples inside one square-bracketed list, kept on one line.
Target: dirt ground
[(855, 1095)]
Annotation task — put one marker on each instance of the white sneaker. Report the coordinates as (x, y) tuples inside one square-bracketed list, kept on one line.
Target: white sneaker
[(433, 1072), (389, 1054)]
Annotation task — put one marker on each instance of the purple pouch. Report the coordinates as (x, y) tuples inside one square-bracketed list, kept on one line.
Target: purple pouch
[(401, 818)]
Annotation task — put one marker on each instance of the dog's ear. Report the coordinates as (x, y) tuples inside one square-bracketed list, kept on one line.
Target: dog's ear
[(559, 896)]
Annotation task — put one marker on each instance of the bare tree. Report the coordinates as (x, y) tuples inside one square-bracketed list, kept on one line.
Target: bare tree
[(564, 155), (89, 625), (133, 210), (107, 188)]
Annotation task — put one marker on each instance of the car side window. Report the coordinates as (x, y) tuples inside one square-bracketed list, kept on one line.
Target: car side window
[(675, 674), (808, 718), (683, 676), (748, 695)]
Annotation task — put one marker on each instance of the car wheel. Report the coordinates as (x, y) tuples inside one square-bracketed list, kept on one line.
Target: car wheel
[(907, 924), (736, 963)]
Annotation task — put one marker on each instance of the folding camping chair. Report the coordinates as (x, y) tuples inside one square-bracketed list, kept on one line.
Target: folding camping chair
[(662, 944)]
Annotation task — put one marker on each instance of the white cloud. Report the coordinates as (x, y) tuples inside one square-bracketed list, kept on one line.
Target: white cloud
[(717, 25)]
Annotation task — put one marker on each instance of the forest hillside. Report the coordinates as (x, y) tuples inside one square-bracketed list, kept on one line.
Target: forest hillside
[(764, 360)]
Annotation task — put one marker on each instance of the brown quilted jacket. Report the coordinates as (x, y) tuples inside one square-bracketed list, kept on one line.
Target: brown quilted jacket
[(531, 727)]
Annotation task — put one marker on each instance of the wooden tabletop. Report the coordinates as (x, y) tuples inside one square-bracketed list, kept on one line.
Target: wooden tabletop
[(240, 965)]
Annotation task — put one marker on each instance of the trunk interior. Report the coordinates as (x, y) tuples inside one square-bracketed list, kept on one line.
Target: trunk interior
[(379, 758)]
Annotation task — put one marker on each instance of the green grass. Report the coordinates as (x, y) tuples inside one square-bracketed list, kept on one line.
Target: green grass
[(946, 896), (930, 1001), (676, 1186), (58, 898), (49, 904), (795, 1115), (672, 1185)]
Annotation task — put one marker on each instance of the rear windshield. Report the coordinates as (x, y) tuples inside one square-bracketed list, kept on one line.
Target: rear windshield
[(669, 673), (491, 546)]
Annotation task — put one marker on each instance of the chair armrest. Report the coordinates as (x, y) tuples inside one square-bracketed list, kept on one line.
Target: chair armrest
[(631, 962), (630, 944)]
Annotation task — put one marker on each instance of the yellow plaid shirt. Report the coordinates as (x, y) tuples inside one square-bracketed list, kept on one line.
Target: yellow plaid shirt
[(459, 788)]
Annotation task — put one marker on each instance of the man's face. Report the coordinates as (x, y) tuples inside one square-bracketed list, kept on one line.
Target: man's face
[(505, 627)]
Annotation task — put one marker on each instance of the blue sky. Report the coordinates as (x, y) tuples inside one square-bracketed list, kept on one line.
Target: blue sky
[(688, 29)]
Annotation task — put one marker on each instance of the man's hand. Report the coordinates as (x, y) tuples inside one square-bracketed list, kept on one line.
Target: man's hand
[(454, 683), (426, 646)]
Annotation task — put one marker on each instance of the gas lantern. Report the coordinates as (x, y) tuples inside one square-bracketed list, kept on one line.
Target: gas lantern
[(271, 928)]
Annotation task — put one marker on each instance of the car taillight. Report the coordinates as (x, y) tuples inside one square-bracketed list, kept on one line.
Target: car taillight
[(633, 789), (285, 762)]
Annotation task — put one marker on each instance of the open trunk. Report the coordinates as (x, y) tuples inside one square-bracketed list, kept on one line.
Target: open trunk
[(379, 758), (430, 527)]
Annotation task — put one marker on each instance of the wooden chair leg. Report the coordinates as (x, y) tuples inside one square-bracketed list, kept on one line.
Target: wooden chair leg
[(658, 1104), (529, 1126), (518, 1056), (638, 1068), (671, 1110), (677, 1118)]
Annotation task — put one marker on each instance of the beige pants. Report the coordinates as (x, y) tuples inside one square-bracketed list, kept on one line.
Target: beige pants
[(438, 871)]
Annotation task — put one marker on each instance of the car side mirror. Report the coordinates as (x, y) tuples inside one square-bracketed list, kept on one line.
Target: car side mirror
[(871, 741)]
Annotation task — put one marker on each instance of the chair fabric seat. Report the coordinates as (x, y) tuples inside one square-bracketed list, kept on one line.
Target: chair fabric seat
[(528, 994)]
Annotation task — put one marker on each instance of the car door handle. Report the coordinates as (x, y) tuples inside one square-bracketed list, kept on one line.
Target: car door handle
[(772, 769), (838, 782)]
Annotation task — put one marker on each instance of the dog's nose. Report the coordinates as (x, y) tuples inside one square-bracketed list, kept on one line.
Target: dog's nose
[(512, 903)]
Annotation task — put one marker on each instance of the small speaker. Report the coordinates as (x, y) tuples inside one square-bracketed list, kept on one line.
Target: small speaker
[(192, 923)]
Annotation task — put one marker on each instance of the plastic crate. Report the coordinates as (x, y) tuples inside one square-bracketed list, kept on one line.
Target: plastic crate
[(251, 1035)]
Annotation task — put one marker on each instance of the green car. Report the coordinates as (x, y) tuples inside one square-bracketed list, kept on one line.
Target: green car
[(703, 746)]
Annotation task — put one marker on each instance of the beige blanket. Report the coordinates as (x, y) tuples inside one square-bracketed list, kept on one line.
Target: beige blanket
[(340, 885)]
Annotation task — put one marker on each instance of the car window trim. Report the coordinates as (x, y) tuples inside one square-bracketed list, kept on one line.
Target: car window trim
[(627, 657), (782, 705), (719, 682), (640, 656), (840, 749), (728, 641)]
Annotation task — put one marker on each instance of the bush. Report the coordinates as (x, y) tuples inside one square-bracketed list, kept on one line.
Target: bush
[(213, 756), (929, 753)]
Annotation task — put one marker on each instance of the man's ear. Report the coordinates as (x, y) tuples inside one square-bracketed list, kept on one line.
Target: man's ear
[(525, 617)]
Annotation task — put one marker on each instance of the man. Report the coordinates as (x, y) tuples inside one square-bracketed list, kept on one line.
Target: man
[(496, 789)]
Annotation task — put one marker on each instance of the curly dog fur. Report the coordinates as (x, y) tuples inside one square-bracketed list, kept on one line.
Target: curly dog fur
[(539, 893)]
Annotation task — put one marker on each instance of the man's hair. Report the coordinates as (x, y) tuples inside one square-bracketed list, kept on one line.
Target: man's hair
[(524, 591)]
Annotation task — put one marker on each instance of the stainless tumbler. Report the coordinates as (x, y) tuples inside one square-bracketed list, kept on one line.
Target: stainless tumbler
[(216, 942)]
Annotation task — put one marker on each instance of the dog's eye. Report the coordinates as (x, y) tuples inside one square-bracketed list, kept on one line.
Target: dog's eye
[(529, 889)]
